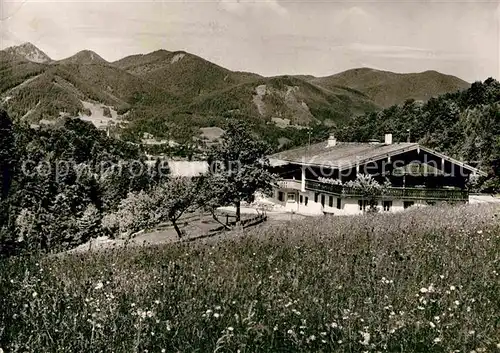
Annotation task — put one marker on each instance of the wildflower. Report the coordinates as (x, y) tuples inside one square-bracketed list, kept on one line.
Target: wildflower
[(456, 302), (163, 350), (423, 290), (437, 339), (452, 288), (312, 338), (468, 309), (157, 302), (431, 324), (149, 313), (472, 332), (217, 307), (216, 315), (34, 294), (99, 285), (479, 232), (334, 325), (230, 328), (290, 332), (366, 338)]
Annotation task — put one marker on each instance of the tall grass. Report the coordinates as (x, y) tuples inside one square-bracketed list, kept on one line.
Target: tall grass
[(421, 281)]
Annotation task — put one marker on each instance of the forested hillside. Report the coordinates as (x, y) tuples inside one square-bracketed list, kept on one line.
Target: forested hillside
[(464, 125), (57, 183)]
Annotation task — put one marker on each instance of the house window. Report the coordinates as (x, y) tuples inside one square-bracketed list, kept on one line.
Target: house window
[(281, 196), (387, 205), (330, 201), (301, 199), (339, 203), (323, 200), (363, 204), (316, 195), (291, 197), (408, 204), (306, 201)]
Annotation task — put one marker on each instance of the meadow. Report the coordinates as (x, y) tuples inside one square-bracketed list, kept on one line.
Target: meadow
[(426, 280)]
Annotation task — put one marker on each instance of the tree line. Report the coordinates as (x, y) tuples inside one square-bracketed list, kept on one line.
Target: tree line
[(65, 184)]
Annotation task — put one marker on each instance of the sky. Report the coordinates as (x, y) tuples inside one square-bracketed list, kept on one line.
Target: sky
[(271, 37)]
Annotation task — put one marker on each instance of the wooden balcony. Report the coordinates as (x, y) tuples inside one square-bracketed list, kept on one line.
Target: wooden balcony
[(392, 192), (290, 184)]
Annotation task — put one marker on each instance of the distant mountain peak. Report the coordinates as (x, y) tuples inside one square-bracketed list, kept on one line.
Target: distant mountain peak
[(84, 57), (29, 52)]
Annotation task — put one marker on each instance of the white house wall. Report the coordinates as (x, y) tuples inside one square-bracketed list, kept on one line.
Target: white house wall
[(349, 206)]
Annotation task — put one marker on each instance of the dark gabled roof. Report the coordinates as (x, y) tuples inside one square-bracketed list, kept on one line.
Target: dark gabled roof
[(342, 154), (348, 154)]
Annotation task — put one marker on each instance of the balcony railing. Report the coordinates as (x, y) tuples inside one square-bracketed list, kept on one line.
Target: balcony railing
[(290, 184), (391, 192)]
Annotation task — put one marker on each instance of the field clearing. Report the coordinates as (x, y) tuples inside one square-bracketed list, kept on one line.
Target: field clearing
[(425, 280)]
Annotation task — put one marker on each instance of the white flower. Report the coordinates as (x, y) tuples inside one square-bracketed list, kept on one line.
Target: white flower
[(423, 290), (34, 294), (216, 315), (163, 350), (149, 313), (312, 338), (334, 325), (431, 324), (437, 340), (452, 288), (472, 332), (479, 232), (98, 286), (230, 328), (366, 338), (290, 332), (456, 302)]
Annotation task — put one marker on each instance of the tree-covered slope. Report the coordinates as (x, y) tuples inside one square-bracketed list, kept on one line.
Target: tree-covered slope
[(388, 88), (464, 125)]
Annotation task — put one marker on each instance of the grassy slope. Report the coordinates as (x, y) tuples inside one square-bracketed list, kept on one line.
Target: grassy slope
[(423, 280), (388, 88)]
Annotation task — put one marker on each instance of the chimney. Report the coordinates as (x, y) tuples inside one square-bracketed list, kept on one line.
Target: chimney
[(332, 141), (388, 139)]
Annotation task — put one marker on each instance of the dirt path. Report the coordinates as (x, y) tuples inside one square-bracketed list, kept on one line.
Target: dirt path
[(195, 226)]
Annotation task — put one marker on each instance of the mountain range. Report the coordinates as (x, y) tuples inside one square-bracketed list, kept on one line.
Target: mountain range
[(182, 88)]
